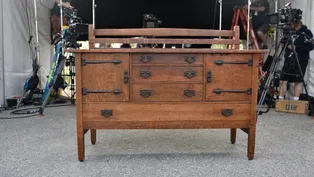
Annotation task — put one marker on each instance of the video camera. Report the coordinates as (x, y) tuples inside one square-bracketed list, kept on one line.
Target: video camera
[(77, 31), (284, 20), (151, 21), (285, 17)]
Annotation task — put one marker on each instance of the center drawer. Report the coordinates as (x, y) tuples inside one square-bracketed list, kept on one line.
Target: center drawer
[(167, 92), (168, 59), (166, 112), (146, 74)]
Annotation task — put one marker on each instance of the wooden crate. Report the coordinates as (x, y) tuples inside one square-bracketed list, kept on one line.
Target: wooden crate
[(291, 106)]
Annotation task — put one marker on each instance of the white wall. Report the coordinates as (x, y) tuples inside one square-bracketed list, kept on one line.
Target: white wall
[(1, 56), (16, 50)]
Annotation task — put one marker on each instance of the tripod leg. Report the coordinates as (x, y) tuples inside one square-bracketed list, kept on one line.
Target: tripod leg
[(58, 72), (19, 102)]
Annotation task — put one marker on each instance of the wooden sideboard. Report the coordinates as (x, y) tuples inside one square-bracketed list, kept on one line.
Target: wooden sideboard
[(147, 88)]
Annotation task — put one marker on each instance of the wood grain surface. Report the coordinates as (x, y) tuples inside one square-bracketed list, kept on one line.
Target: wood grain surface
[(167, 92), (229, 77), (166, 59), (168, 51), (163, 32), (105, 76), (166, 112), (148, 74)]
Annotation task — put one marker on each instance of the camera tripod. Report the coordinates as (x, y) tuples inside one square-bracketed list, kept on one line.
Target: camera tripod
[(272, 70)]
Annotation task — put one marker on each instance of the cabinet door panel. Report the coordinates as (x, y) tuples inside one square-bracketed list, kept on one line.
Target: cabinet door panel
[(105, 77), (229, 77)]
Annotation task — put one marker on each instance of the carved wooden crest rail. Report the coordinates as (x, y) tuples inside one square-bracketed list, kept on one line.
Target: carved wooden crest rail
[(156, 88)]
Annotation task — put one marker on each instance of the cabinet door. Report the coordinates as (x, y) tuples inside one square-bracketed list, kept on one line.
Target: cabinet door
[(105, 77), (229, 77)]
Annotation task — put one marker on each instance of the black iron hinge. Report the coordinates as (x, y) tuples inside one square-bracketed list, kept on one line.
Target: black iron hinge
[(219, 91), (115, 91), (115, 61), (222, 62)]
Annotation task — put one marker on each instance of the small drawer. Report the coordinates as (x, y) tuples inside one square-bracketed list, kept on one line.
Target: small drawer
[(128, 112), (167, 92), (168, 59), (142, 74)]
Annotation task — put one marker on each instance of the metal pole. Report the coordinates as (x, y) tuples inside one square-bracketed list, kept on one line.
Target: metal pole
[(2, 81), (36, 28), (94, 6), (61, 17), (248, 25), (220, 15), (36, 61), (276, 32)]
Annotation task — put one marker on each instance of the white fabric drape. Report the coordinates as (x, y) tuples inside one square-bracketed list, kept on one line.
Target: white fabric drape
[(15, 52), (17, 25)]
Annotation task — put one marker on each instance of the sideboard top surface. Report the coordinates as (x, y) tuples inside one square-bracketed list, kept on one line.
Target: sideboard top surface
[(160, 50)]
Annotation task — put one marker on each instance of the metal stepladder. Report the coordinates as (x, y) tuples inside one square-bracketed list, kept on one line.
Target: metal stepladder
[(242, 14)]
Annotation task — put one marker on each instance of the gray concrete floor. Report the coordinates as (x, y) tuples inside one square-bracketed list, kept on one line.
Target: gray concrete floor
[(46, 146)]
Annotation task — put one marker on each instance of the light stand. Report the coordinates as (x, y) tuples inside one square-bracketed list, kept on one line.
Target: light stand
[(248, 24), (220, 15), (61, 18), (35, 64), (36, 61), (94, 7)]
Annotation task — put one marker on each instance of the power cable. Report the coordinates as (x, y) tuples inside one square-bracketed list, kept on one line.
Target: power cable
[(29, 112)]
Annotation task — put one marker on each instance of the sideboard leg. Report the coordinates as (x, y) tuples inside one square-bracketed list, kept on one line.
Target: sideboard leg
[(233, 135), (93, 136), (80, 145), (251, 142)]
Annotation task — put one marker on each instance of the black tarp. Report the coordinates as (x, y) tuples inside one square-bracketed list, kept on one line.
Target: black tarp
[(174, 13)]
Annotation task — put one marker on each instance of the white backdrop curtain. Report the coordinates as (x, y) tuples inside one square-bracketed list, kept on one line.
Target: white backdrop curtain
[(18, 24), (15, 52)]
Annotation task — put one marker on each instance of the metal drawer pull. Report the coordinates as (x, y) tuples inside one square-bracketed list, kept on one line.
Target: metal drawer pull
[(189, 93), (85, 62), (115, 91), (106, 113), (219, 91), (227, 112), (222, 62), (146, 93), (146, 59), (189, 74), (209, 77), (146, 74), (190, 59), (126, 77)]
